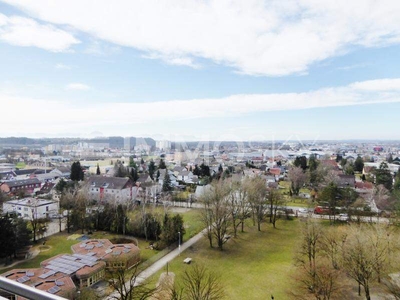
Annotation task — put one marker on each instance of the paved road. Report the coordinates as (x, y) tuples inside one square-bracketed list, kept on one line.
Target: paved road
[(158, 265)]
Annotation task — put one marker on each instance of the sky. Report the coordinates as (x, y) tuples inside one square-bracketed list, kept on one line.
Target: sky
[(201, 69)]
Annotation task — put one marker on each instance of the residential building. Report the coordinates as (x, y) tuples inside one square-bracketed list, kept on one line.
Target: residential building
[(28, 186), (110, 188), (31, 208)]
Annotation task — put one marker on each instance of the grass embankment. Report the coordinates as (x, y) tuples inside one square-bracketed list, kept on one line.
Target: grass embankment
[(255, 265)]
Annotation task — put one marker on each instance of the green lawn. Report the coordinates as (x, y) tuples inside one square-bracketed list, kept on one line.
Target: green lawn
[(56, 244), (59, 243), (192, 223), (20, 165), (255, 265)]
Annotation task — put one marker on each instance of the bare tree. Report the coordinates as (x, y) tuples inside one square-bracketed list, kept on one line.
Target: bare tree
[(316, 275), (238, 205), (332, 243), (276, 202), (297, 179), (124, 283), (358, 259), (257, 192), (216, 213), (202, 284), (382, 197), (392, 286)]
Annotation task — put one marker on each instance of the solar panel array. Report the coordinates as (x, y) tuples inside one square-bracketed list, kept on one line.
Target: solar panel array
[(68, 264), (108, 251), (89, 247), (54, 289), (98, 245), (23, 279), (47, 274)]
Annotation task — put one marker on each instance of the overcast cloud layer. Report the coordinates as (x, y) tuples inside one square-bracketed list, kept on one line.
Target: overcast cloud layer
[(58, 117), (272, 38)]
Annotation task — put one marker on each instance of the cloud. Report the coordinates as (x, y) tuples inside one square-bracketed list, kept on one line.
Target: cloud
[(175, 60), (101, 49), (78, 87), (377, 85), (26, 32), (118, 117), (255, 37), (63, 67)]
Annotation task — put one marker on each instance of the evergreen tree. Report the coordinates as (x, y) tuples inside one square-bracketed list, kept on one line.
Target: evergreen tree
[(98, 170), (339, 157), (359, 164), (76, 171), (312, 167), (300, 161), (152, 169), (204, 170), (166, 183), (383, 176), (158, 175), (162, 164), (22, 234), (197, 171), (172, 229), (61, 186), (133, 175), (7, 237), (396, 185)]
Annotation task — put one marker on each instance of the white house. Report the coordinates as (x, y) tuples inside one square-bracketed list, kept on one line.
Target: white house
[(31, 208)]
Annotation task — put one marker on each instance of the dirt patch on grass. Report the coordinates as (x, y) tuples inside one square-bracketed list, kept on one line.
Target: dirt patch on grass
[(124, 240)]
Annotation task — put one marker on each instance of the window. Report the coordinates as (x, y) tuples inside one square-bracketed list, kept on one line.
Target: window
[(25, 209), (19, 208), (47, 208)]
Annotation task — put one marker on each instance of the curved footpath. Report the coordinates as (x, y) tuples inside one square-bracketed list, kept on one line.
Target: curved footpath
[(159, 264)]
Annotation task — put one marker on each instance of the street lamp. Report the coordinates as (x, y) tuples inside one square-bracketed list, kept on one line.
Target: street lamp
[(179, 242)]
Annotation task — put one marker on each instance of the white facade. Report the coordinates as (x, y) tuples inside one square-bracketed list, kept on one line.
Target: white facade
[(105, 193), (31, 208)]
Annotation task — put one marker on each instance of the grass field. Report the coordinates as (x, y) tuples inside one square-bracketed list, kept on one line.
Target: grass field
[(255, 265), (20, 165), (192, 223), (59, 243), (62, 242)]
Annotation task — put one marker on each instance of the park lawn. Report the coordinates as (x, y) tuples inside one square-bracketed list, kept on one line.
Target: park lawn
[(192, 222), (56, 244), (255, 265), (59, 243), (20, 165)]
